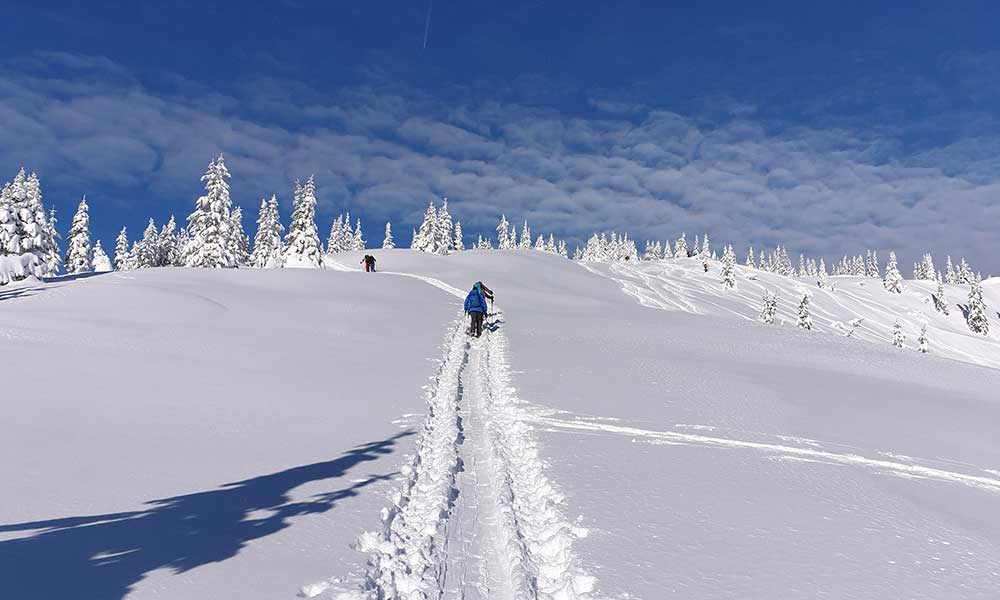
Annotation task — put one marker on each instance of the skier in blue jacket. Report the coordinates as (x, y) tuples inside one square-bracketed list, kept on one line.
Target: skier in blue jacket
[(475, 307)]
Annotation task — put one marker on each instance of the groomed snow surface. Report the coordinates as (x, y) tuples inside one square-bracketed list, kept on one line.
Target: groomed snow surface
[(176, 433)]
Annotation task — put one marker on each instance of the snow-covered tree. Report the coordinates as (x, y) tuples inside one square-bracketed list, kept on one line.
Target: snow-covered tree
[(268, 247), (561, 249), (335, 240), (804, 320), (78, 244), (168, 248), (922, 340), (358, 239), (146, 251), (525, 237), (444, 230), (302, 245), (423, 240), (239, 243), (550, 246), (503, 233), (729, 268), (872, 270), (965, 273), (770, 308), (458, 243), (751, 262), (893, 280), (949, 273), (121, 250), (101, 262), (210, 224), (681, 247), (976, 317), (940, 302), (387, 242), (897, 335), (53, 260)]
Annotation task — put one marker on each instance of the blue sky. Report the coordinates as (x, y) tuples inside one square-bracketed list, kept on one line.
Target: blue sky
[(828, 128)]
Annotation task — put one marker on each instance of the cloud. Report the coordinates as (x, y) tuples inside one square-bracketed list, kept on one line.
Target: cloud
[(383, 151)]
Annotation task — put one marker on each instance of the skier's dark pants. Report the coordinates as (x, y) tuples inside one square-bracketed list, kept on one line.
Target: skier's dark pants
[(477, 324)]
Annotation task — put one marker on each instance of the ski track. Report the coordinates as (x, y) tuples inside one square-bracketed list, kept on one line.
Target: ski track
[(476, 517), (815, 451)]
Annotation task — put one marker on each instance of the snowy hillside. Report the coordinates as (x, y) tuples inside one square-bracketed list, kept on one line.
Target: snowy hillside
[(683, 285), (198, 434)]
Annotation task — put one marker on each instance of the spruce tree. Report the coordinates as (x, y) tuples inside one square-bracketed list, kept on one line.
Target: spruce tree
[(503, 233), (147, 250), (53, 260), (303, 248), (540, 242), (268, 248), (457, 242), (770, 308), (729, 268), (922, 340), (751, 262), (101, 262), (387, 242), (210, 225), (525, 237), (239, 243), (424, 238), (444, 231), (949, 273), (940, 302), (804, 320), (168, 250), (681, 247), (121, 250), (893, 280), (976, 317), (897, 335), (358, 240), (78, 245)]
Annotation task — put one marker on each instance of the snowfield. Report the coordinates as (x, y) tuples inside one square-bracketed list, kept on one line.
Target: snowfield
[(620, 431)]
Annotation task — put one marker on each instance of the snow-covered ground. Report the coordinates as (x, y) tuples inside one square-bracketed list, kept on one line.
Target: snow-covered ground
[(202, 434)]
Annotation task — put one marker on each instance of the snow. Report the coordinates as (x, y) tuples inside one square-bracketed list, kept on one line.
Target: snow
[(620, 431)]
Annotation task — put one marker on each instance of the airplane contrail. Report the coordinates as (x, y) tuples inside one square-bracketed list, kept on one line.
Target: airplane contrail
[(427, 23)]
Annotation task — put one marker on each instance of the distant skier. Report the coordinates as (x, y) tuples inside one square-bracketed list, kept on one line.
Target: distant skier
[(369, 262), (475, 307)]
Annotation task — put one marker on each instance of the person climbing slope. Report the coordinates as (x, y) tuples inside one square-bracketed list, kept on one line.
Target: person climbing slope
[(475, 307), (369, 262)]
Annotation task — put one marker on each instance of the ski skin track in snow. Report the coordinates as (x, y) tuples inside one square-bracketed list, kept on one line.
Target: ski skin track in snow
[(476, 517), (520, 546)]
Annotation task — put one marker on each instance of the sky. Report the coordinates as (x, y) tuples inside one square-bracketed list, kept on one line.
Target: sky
[(828, 128)]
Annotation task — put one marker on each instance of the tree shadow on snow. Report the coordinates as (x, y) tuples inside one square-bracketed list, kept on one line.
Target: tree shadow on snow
[(100, 557)]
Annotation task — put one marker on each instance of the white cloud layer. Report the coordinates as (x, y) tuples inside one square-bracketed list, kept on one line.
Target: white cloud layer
[(383, 152)]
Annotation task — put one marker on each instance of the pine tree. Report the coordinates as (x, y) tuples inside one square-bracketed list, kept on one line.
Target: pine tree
[(503, 233), (550, 246), (695, 250), (302, 245), (922, 340), (444, 231), (893, 280), (728, 268), (976, 317), (540, 242), (822, 281), (78, 245), (940, 302), (268, 246), (750, 259), (457, 242), (897, 335), (101, 262), (804, 318), (681, 247), (210, 224), (121, 251), (964, 274), (949, 273), (146, 251), (387, 242), (53, 261), (168, 250), (424, 238), (358, 241), (561, 249), (770, 308)]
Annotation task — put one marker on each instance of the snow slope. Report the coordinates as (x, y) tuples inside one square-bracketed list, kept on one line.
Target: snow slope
[(587, 447)]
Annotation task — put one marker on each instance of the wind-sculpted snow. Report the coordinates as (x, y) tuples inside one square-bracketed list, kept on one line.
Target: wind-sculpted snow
[(856, 306)]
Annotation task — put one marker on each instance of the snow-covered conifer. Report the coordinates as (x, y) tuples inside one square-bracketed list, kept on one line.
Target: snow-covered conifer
[(525, 237), (681, 247), (922, 340), (121, 250), (561, 249), (770, 308), (358, 239), (503, 233), (458, 243), (268, 247), (804, 320), (444, 231), (239, 243), (334, 241), (53, 259), (897, 335), (976, 317), (209, 226), (822, 281), (167, 240), (550, 246), (424, 238), (949, 273), (100, 262), (540, 242), (302, 245), (145, 252), (388, 243), (940, 302), (729, 268), (965, 273), (751, 262), (695, 250), (78, 244), (893, 280)]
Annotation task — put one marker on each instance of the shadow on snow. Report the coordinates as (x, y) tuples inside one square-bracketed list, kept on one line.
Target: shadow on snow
[(100, 557)]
